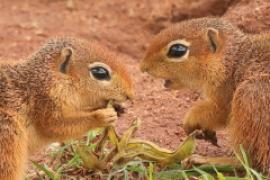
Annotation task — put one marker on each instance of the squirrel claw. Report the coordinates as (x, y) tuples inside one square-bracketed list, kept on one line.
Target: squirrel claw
[(208, 135)]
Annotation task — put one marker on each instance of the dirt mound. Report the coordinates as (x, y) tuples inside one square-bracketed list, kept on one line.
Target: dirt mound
[(251, 16)]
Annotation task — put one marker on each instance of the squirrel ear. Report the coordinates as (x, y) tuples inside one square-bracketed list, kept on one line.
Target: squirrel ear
[(65, 59), (213, 38)]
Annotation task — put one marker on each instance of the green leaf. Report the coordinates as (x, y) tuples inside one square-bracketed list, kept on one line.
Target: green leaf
[(137, 169), (256, 174), (74, 161), (185, 176), (205, 175), (150, 171), (220, 176), (126, 175), (89, 159), (50, 173)]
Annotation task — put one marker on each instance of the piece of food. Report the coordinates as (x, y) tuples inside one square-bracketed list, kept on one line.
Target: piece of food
[(117, 107), (90, 160), (126, 148)]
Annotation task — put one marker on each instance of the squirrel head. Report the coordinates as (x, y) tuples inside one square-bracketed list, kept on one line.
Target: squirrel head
[(189, 54), (86, 74)]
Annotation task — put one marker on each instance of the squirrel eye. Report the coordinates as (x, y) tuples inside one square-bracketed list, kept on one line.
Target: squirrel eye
[(100, 73), (177, 51)]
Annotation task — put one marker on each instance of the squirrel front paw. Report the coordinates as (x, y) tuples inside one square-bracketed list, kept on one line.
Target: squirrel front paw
[(206, 134), (106, 117)]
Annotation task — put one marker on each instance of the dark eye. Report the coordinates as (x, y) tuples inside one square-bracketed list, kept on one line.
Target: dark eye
[(100, 73), (177, 51)]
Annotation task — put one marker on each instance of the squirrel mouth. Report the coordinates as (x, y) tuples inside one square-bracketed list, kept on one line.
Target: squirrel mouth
[(167, 83), (119, 108)]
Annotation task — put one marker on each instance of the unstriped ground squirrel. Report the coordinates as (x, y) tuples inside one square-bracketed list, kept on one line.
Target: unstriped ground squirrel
[(232, 69), (58, 93)]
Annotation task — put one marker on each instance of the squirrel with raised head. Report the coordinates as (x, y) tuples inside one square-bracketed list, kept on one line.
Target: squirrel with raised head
[(231, 68), (58, 93)]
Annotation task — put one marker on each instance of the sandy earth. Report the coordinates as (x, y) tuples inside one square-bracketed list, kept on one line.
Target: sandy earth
[(126, 27)]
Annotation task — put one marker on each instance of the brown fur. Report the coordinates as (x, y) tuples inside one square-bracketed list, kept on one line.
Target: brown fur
[(39, 104), (235, 81)]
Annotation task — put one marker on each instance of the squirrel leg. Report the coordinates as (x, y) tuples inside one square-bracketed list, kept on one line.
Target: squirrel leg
[(250, 122), (206, 115), (13, 147), (76, 124)]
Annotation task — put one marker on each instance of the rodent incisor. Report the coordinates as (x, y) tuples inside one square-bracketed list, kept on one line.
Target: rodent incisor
[(232, 69), (58, 93)]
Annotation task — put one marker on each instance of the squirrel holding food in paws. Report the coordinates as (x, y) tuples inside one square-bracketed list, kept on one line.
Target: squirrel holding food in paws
[(58, 93)]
